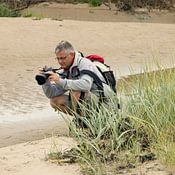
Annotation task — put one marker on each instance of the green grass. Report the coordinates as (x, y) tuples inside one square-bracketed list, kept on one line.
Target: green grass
[(165, 151), (95, 3), (151, 98), (7, 12), (145, 125)]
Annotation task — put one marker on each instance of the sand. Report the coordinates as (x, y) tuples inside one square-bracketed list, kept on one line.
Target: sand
[(29, 158), (26, 45)]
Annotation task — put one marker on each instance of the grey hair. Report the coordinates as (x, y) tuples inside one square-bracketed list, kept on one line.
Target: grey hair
[(64, 45)]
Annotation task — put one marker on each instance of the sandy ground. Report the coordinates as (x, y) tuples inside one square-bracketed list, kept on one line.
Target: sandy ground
[(29, 158), (26, 45)]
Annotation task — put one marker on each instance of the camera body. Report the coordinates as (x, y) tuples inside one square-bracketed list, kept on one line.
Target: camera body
[(41, 78)]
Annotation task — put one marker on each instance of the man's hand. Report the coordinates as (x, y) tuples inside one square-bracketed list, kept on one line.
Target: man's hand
[(53, 77)]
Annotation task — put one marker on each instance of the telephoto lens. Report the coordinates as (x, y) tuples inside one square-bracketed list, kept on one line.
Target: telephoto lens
[(41, 78)]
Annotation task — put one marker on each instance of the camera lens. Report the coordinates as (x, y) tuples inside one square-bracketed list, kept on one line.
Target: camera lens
[(41, 79)]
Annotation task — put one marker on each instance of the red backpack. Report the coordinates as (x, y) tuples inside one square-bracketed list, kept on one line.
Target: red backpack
[(95, 58), (104, 69)]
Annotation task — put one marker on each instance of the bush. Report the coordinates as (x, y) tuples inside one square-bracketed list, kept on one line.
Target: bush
[(128, 5), (7, 12), (95, 3)]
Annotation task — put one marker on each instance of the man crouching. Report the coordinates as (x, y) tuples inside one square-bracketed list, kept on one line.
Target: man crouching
[(67, 86)]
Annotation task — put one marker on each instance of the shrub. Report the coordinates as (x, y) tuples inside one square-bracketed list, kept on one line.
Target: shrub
[(127, 5), (7, 12), (95, 3)]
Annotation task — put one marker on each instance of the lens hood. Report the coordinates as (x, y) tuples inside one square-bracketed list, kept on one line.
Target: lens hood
[(41, 79)]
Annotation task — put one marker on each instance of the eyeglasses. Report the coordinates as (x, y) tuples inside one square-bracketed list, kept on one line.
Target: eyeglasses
[(61, 58)]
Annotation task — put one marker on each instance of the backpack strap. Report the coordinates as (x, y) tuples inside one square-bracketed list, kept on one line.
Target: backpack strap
[(109, 78), (97, 81)]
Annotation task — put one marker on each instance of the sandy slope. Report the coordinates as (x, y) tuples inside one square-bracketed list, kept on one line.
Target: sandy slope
[(27, 44)]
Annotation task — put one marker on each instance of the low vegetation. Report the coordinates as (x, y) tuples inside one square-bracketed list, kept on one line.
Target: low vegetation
[(124, 5), (5, 11), (130, 5), (143, 129)]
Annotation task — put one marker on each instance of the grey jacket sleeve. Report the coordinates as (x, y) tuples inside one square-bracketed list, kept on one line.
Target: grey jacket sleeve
[(83, 84), (52, 90)]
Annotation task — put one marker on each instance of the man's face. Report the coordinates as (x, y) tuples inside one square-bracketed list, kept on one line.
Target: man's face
[(65, 59)]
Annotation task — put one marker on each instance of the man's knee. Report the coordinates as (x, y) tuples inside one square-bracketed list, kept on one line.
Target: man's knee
[(75, 95), (66, 102), (57, 102), (54, 100)]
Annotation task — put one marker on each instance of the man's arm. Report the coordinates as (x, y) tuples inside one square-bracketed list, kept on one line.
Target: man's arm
[(83, 84)]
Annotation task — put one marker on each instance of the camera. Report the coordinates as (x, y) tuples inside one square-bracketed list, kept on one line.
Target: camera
[(41, 78)]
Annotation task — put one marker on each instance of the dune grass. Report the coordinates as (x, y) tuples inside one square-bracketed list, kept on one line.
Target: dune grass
[(144, 124), (152, 100), (142, 129)]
